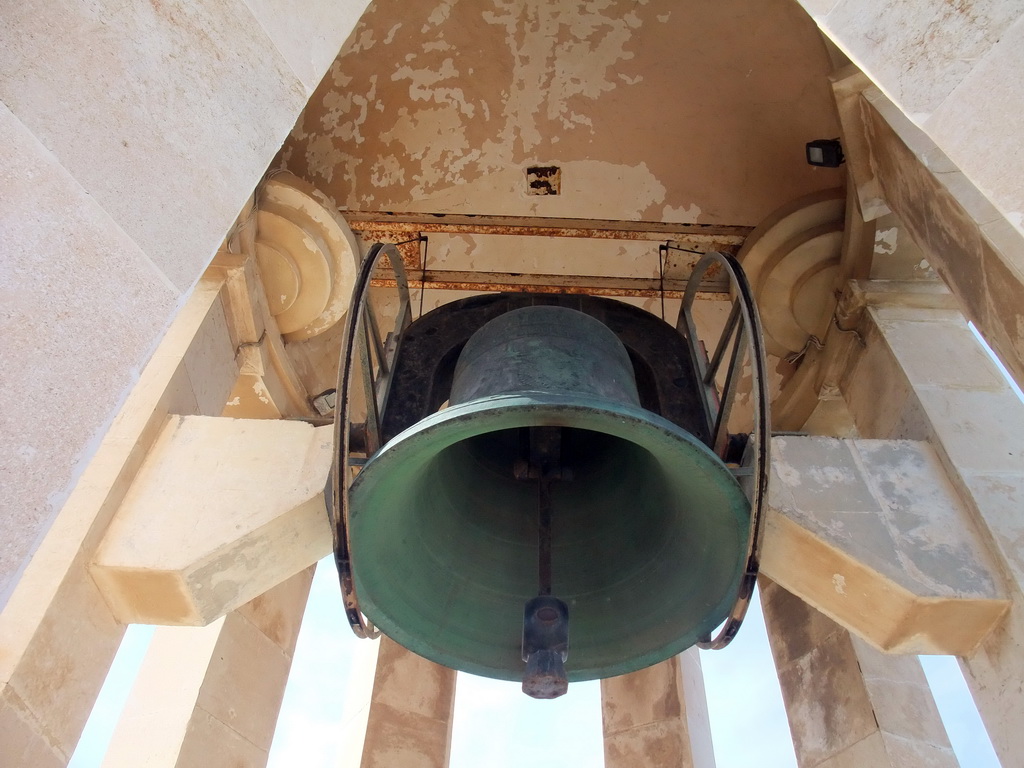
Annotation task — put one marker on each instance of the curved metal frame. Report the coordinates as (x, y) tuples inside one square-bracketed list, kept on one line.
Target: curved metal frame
[(743, 331), (371, 348)]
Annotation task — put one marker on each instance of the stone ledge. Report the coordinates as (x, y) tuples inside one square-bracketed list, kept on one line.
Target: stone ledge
[(221, 511), (873, 534)]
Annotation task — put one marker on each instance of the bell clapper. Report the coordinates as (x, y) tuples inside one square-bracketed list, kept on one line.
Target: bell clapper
[(546, 618), (544, 536)]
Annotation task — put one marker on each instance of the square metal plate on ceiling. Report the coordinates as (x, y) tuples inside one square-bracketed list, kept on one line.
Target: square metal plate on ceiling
[(543, 180)]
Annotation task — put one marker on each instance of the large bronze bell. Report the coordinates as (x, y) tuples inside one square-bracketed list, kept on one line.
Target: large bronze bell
[(545, 477)]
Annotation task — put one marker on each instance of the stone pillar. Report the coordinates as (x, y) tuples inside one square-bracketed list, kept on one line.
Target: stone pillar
[(208, 697), (848, 704), (355, 712), (410, 722), (658, 716), (57, 633), (939, 385), (104, 231)]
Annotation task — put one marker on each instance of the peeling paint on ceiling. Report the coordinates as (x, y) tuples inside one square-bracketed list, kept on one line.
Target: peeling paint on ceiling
[(653, 110)]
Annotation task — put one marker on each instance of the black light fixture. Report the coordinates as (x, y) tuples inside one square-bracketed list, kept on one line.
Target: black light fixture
[(825, 153)]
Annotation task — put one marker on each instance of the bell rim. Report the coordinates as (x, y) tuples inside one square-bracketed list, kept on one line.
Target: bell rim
[(553, 410)]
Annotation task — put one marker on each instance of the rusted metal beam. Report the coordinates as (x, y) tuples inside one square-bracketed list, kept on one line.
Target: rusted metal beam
[(713, 286), (712, 236)]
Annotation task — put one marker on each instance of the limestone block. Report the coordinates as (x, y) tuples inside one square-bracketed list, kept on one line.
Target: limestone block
[(50, 685), (410, 719), (698, 719), (80, 308), (268, 385), (658, 716), (1000, 496), (831, 417), (848, 704), (975, 424), (976, 124), (978, 432), (955, 227), (222, 510), (355, 712), (829, 710), (57, 634), (818, 8), (880, 397), (210, 696), (310, 40), (936, 349), (995, 675), (214, 744), (901, 699), (847, 85), (868, 751), (880, 749), (19, 736), (166, 113), (245, 687), (210, 362), (873, 534), (251, 398), (278, 612), (173, 669), (918, 51), (895, 255), (900, 297)]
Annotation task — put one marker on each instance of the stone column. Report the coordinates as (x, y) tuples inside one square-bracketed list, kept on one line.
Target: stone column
[(410, 722), (940, 386), (848, 704), (658, 716), (57, 633), (208, 697), (103, 232), (355, 712)]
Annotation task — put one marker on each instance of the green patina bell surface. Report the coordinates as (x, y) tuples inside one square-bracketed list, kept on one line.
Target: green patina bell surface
[(648, 527)]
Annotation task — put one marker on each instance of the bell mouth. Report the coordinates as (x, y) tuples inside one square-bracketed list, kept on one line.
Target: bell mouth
[(649, 536)]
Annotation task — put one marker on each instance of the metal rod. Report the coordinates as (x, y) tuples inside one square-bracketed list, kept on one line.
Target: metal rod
[(544, 535), (723, 343), (423, 271), (720, 435), (712, 287), (756, 460), (373, 438), (537, 226), (373, 329), (662, 249), (687, 328), (340, 476)]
